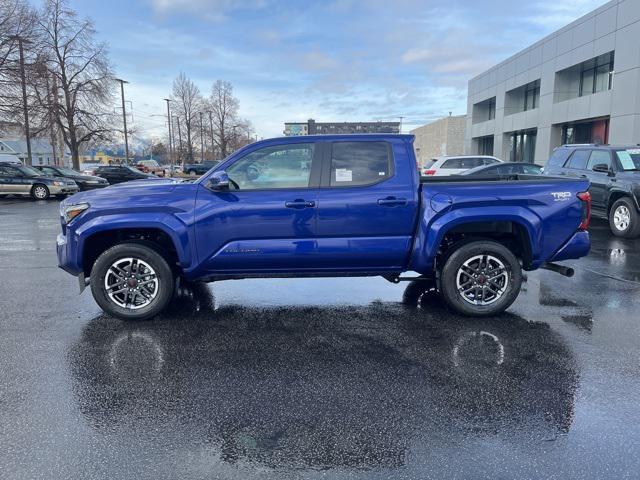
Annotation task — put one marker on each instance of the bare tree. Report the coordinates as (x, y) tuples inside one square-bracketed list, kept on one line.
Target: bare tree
[(80, 69), (188, 102), (17, 20), (228, 130)]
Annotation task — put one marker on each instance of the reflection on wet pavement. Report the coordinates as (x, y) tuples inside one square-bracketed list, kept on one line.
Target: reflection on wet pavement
[(317, 378)]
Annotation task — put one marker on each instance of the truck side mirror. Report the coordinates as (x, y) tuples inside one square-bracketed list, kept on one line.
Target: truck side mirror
[(218, 181)]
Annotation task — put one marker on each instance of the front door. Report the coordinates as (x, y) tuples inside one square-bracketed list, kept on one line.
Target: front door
[(367, 206), (600, 181), (266, 221)]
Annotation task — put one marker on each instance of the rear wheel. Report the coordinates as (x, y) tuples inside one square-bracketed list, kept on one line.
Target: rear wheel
[(132, 282), (624, 220), (39, 192), (480, 278)]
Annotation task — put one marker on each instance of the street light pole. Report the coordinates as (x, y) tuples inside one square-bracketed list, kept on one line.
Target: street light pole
[(25, 107), (170, 141), (124, 119), (201, 141)]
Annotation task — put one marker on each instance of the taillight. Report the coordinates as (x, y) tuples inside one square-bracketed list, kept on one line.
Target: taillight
[(585, 198), (429, 172)]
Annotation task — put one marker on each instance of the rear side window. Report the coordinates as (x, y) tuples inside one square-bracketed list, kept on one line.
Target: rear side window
[(558, 157), (578, 160), (463, 163), (489, 161), (359, 163), (599, 157)]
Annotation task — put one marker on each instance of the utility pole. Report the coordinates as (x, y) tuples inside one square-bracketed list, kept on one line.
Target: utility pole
[(170, 141), (201, 141), (25, 106), (179, 136), (124, 119), (213, 148), (401, 118)]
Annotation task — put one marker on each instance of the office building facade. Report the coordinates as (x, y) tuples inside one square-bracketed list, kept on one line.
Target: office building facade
[(580, 84)]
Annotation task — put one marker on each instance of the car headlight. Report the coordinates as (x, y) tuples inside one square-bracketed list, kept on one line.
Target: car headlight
[(69, 212), (58, 184)]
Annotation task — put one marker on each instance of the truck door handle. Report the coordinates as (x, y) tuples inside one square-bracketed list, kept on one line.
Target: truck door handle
[(299, 203), (392, 201)]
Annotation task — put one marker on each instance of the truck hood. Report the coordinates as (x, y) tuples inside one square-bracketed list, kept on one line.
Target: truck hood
[(133, 192)]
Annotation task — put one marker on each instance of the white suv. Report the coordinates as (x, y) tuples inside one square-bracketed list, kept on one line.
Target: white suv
[(456, 164)]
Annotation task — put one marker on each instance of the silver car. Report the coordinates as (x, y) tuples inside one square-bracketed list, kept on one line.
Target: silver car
[(23, 180), (453, 165)]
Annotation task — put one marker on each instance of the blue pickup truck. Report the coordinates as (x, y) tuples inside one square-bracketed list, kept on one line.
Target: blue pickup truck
[(339, 205)]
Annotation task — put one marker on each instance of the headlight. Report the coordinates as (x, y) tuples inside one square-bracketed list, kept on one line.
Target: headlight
[(69, 212), (58, 184)]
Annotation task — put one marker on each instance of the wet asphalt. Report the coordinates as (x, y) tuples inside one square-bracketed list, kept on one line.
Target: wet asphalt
[(317, 378)]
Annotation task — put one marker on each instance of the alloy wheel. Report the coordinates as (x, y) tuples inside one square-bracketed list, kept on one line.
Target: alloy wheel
[(622, 218), (131, 283), (482, 280)]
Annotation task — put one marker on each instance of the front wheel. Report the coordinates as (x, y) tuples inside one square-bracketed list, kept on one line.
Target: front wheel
[(480, 278), (132, 282), (624, 220), (39, 192)]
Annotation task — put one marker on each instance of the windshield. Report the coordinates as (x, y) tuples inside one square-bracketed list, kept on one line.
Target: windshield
[(134, 170), (629, 159), (29, 171), (68, 171)]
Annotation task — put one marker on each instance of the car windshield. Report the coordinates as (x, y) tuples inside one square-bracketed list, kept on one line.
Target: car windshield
[(629, 159), (134, 170), (29, 171)]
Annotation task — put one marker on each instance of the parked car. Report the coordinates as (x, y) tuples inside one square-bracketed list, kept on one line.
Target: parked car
[(85, 182), (24, 180), (11, 159), (199, 168), (614, 173), (150, 166), (504, 169), (326, 205), (450, 165), (121, 173)]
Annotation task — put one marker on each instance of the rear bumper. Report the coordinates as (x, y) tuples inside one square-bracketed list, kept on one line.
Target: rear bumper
[(576, 247)]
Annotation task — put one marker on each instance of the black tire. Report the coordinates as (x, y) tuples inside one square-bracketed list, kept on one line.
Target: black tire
[(40, 192), (624, 206), (164, 275), (466, 252)]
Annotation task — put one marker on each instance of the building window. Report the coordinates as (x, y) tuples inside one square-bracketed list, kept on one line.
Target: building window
[(597, 75), (532, 96), (596, 131), (523, 146), (485, 145), (492, 109)]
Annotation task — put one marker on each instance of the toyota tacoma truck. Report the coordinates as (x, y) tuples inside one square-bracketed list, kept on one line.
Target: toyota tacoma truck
[(329, 205)]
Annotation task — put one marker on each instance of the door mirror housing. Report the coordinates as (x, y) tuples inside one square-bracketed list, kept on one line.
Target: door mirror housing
[(218, 181), (601, 168)]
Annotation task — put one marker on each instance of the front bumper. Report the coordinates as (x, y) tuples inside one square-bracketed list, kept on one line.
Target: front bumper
[(65, 246), (63, 190), (92, 186)]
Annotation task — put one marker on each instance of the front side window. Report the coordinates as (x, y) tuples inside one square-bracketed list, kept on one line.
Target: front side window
[(599, 157), (579, 160), (359, 163), (629, 159), (280, 166)]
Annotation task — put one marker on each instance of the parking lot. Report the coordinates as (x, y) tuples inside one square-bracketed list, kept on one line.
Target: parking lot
[(317, 378)]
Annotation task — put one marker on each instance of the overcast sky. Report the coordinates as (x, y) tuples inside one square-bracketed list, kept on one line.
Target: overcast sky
[(339, 60)]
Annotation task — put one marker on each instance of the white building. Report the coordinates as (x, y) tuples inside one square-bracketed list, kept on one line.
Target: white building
[(41, 151), (580, 84)]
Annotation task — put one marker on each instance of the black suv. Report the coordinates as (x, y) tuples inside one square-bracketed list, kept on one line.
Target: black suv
[(614, 173), (121, 173)]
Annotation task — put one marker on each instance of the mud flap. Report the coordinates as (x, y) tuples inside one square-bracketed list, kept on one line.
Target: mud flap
[(82, 282)]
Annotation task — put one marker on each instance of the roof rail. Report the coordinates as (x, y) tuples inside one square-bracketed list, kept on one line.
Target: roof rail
[(584, 144)]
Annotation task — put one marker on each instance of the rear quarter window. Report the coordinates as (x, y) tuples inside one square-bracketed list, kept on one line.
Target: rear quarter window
[(558, 157)]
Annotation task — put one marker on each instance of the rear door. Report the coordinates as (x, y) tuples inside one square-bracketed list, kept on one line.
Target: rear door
[(6, 181), (367, 205), (266, 221), (600, 181)]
